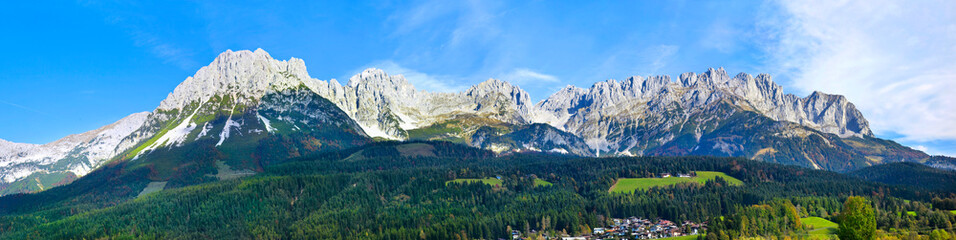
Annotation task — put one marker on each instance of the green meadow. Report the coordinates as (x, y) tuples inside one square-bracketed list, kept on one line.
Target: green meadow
[(819, 228), (627, 185)]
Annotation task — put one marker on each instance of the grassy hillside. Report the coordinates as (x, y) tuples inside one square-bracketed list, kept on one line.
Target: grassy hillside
[(820, 228), (628, 185)]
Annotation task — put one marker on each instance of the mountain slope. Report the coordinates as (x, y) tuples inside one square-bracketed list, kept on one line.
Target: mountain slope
[(388, 106), (281, 125), (534, 137), (31, 167), (232, 133), (910, 174), (242, 112)]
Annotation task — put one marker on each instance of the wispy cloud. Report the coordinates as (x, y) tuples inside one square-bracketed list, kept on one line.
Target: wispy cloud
[(894, 59), (420, 15), (661, 57), (23, 107), (420, 80), (626, 60), (471, 20), (456, 35), (141, 29), (721, 36), (526, 76), (479, 23)]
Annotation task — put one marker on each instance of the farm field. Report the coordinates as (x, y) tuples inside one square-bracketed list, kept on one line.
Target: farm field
[(627, 185), (821, 228)]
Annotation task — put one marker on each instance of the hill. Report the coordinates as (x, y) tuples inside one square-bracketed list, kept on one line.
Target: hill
[(910, 174)]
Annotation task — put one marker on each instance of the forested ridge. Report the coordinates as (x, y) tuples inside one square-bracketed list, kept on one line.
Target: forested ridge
[(910, 174), (387, 194)]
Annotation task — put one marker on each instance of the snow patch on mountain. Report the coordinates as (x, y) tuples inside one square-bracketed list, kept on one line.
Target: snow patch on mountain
[(176, 135), (228, 126), (265, 122)]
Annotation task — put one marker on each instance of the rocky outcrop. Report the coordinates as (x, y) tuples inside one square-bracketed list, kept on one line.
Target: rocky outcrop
[(535, 137), (387, 106)]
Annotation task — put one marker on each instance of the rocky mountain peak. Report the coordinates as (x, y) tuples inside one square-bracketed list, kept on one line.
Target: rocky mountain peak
[(373, 80), (244, 74), (507, 102), (495, 86), (718, 75)]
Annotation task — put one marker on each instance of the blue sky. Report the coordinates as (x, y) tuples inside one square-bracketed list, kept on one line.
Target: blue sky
[(74, 66)]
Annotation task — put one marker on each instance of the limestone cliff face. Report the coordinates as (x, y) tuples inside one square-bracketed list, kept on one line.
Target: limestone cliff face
[(603, 113), (387, 106)]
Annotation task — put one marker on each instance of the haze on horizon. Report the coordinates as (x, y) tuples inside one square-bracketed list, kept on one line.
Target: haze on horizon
[(71, 67)]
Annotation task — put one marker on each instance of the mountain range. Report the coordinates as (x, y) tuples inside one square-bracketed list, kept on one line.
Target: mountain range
[(246, 110)]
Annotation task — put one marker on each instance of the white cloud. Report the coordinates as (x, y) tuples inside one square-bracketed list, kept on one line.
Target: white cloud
[(921, 148), (896, 60), (420, 80), (525, 76)]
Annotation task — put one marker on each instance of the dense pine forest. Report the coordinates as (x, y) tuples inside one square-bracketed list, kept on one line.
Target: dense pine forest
[(392, 190)]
